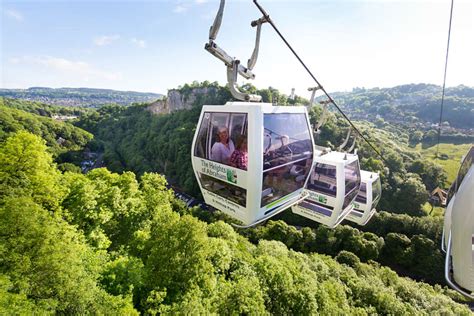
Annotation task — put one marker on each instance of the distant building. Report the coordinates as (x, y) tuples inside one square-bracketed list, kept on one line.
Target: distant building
[(292, 95), (64, 117), (438, 196), (60, 141)]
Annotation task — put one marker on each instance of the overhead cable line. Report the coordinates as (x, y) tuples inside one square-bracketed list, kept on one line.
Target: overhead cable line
[(269, 20), (444, 80)]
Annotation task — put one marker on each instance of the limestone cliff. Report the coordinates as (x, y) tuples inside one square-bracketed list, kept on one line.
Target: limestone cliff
[(178, 100)]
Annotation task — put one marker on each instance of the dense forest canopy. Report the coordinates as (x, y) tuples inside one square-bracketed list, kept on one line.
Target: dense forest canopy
[(60, 136), (105, 242), (109, 243)]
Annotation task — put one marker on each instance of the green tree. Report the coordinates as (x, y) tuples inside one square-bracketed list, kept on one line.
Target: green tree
[(347, 257), (410, 195), (431, 173), (396, 247), (177, 260), (26, 169), (416, 137), (430, 137), (17, 303), (49, 262)]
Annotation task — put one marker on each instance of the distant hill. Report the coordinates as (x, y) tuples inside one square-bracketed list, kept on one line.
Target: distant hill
[(416, 105), (83, 97), (60, 136), (48, 110)]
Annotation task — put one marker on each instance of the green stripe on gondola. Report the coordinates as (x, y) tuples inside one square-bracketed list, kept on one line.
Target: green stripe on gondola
[(279, 200)]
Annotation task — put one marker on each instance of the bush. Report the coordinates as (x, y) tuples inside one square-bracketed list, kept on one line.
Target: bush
[(347, 257)]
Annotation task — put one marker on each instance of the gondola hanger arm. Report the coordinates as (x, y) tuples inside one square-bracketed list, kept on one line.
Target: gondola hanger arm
[(313, 94), (324, 114), (253, 59), (217, 22), (234, 90), (353, 145), (234, 67), (340, 148)]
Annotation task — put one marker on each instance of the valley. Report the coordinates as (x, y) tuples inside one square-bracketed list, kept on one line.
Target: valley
[(163, 255)]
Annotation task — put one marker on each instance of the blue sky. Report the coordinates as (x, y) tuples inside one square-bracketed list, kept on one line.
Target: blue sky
[(153, 46)]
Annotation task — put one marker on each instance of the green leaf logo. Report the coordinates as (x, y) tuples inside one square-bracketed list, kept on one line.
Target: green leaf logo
[(231, 176)]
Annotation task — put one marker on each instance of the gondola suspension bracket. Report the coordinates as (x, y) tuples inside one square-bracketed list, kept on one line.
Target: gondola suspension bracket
[(234, 67)]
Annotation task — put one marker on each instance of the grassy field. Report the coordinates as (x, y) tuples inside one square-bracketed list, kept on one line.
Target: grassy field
[(437, 211), (454, 152)]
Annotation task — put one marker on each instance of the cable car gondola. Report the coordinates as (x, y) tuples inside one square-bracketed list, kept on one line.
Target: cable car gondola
[(332, 187), (459, 264), (251, 160), (367, 198), (252, 185)]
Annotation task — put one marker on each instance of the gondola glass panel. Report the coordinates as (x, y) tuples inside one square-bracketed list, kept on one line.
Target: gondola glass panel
[(287, 157), (215, 144), (252, 178), (324, 179), (332, 187), (352, 178), (362, 196)]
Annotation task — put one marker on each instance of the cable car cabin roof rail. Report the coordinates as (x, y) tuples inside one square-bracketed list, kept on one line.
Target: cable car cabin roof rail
[(269, 108)]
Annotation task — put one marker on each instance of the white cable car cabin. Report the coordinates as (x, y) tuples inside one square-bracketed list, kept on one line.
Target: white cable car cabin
[(459, 265), (447, 215), (367, 198), (332, 187), (253, 186), (449, 208)]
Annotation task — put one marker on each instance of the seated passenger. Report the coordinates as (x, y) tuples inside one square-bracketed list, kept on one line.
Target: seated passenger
[(239, 157), (223, 149)]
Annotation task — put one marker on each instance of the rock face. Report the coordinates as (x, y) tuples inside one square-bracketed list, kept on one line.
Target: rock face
[(177, 100), (159, 107)]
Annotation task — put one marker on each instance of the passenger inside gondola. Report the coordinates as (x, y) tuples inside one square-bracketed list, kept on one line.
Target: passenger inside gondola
[(222, 149), (216, 138), (239, 157)]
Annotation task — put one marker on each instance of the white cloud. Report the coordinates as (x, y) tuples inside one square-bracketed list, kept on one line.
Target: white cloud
[(105, 40), (180, 9), (78, 68), (140, 43), (184, 6), (14, 60), (15, 15)]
